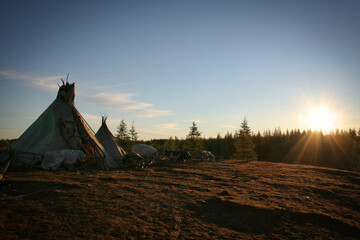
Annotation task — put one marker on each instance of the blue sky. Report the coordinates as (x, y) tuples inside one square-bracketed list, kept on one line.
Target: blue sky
[(164, 64)]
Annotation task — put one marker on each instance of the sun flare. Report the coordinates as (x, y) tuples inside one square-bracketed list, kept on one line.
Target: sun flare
[(321, 118)]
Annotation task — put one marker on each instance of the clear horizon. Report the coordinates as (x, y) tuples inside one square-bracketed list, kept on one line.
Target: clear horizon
[(163, 65)]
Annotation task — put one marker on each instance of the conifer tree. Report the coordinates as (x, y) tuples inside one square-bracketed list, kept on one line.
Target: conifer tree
[(123, 136), (194, 142), (122, 132), (133, 133), (243, 143)]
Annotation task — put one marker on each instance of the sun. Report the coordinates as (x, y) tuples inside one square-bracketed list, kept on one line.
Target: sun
[(321, 118)]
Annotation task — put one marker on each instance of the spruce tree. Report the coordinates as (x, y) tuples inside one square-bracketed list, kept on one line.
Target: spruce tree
[(194, 142), (123, 136), (133, 133), (244, 146), (122, 132)]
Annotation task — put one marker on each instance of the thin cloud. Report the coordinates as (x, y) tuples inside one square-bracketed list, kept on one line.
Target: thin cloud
[(96, 86), (47, 83), (166, 125), (229, 126), (122, 101), (150, 113), (158, 130), (117, 100), (91, 117), (147, 133), (98, 118), (93, 120)]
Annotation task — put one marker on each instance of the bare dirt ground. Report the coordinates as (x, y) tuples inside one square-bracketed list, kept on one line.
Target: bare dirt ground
[(223, 200)]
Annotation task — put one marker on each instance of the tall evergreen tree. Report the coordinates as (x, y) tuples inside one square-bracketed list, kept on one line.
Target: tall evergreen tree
[(122, 132), (123, 136), (133, 133), (243, 143), (194, 132), (194, 142)]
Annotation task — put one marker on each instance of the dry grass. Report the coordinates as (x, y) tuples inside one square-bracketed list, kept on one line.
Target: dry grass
[(231, 199)]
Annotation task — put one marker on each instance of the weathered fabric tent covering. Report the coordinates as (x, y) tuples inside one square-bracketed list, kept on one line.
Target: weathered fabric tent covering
[(108, 141), (144, 150), (67, 157), (59, 127)]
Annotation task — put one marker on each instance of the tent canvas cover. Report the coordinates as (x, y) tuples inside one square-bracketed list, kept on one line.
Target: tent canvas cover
[(59, 127), (107, 139)]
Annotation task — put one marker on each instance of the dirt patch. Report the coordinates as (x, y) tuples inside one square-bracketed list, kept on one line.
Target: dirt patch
[(238, 217), (231, 199)]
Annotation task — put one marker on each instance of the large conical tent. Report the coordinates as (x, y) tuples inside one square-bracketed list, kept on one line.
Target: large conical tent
[(59, 127), (108, 141)]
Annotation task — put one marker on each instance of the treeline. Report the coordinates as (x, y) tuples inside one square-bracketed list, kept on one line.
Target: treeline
[(338, 149)]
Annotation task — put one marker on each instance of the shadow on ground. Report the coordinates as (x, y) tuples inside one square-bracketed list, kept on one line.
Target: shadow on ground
[(256, 220), (238, 217)]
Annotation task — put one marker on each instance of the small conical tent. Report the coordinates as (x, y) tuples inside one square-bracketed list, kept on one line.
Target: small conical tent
[(106, 139), (59, 127)]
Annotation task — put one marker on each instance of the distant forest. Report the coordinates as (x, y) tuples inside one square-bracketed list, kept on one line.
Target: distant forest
[(338, 149)]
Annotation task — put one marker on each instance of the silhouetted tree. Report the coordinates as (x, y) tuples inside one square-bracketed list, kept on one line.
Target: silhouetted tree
[(123, 136), (193, 140), (122, 132), (243, 143), (133, 133)]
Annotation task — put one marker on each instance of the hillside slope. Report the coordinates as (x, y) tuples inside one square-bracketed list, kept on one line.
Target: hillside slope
[(230, 199)]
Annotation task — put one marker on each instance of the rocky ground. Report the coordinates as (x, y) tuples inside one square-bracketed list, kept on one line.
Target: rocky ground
[(222, 200)]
